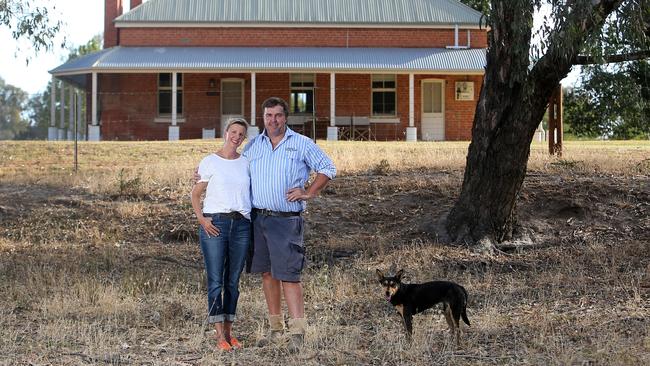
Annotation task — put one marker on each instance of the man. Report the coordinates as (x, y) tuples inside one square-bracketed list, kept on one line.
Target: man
[(280, 163)]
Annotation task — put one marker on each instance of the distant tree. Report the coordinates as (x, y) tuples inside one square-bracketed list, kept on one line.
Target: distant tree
[(520, 77), (13, 102), (39, 104), (30, 22), (611, 102)]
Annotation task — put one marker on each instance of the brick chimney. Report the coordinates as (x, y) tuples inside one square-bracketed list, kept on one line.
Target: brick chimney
[(135, 3), (112, 10)]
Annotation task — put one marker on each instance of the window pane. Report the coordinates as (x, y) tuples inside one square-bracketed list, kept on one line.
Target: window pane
[(383, 103), (304, 80), (179, 102), (302, 101), (437, 97), (427, 98), (164, 102), (179, 80), (165, 80), (389, 103), (383, 81)]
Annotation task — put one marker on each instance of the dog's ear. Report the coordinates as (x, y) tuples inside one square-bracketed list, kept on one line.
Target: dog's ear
[(380, 275), (399, 274)]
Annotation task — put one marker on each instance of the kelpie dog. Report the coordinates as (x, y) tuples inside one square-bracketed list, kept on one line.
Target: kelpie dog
[(410, 299)]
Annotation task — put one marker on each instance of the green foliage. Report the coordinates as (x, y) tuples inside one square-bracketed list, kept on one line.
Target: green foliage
[(13, 102), (612, 102), (93, 45), (30, 22)]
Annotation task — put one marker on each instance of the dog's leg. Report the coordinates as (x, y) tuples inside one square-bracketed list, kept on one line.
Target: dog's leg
[(408, 323), (455, 310), (450, 322)]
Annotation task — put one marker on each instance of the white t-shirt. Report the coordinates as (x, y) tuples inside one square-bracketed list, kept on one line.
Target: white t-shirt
[(229, 185)]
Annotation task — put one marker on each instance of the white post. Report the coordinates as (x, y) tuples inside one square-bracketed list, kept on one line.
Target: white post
[(332, 131), (174, 133), (61, 131), (93, 130), (411, 130), (52, 132), (71, 115), (253, 130), (79, 119)]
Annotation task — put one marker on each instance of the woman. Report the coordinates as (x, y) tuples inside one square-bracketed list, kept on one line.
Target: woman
[(225, 228)]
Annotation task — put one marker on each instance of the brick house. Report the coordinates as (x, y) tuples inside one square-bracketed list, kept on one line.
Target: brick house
[(351, 69)]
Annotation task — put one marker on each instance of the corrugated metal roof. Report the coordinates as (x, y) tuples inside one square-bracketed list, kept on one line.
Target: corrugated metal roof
[(377, 12), (285, 59)]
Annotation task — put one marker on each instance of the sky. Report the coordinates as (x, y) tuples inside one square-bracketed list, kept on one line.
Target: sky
[(82, 20)]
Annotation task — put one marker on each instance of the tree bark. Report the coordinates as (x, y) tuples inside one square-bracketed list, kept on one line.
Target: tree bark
[(512, 103)]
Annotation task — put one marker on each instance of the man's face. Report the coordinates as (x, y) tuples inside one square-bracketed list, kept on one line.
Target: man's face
[(274, 120)]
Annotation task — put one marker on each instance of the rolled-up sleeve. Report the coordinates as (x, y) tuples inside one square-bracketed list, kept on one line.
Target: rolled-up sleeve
[(319, 162)]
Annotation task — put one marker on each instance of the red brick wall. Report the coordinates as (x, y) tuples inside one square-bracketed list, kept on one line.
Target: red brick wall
[(459, 114), (128, 104), (298, 37)]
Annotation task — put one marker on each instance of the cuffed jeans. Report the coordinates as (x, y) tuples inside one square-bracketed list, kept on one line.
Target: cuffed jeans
[(224, 257)]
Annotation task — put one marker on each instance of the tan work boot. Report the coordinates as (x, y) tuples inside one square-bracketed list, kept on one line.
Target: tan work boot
[(276, 323), (297, 331)]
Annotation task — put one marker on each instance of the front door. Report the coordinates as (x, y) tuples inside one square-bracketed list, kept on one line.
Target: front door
[(232, 101), (433, 110)]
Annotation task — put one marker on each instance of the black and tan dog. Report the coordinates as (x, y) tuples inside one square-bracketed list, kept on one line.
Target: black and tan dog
[(410, 299)]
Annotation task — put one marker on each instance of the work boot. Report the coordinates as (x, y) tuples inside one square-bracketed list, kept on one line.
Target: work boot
[(297, 331), (276, 323)]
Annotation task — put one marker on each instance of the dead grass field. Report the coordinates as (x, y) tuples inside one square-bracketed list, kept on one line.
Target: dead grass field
[(102, 266)]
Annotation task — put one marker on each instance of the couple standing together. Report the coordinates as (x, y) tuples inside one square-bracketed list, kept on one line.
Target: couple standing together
[(265, 187)]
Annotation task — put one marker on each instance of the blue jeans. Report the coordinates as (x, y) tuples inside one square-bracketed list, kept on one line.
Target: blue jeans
[(224, 257)]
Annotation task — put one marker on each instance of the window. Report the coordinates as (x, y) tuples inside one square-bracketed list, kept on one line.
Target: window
[(383, 95), (302, 94), (165, 94)]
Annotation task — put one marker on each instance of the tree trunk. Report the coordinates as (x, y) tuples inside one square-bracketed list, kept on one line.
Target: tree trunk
[(512, 103)]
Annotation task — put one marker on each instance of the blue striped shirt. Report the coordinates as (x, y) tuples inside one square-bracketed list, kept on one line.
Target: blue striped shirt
[(274, 172)]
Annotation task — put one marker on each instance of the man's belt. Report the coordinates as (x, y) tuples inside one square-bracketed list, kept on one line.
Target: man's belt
[(265, 212)]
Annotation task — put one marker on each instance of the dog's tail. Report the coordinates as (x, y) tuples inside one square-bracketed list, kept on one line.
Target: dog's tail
[(463, 312)]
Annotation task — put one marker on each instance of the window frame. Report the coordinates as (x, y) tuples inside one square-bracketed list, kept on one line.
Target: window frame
[(179, 90), (298, 83), (383, 89)]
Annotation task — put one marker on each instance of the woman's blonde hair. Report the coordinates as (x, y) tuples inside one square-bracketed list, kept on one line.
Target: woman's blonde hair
[(237, 121)]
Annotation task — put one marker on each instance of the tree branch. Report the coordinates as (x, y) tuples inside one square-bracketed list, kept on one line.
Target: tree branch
[(582, 19), (590, 60)]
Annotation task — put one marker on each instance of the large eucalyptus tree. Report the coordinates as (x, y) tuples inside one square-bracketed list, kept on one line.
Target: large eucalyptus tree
[(520, 77)]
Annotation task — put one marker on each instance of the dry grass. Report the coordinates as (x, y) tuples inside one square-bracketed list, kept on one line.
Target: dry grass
[(102, 266)]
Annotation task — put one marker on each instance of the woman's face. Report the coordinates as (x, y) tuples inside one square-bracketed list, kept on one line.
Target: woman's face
[(235, 134)]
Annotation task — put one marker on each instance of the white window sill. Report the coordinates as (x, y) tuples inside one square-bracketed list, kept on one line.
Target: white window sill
[(168, 120), (384, 120)]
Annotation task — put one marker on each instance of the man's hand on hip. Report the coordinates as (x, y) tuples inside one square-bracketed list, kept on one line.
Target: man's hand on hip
[(298, 194)]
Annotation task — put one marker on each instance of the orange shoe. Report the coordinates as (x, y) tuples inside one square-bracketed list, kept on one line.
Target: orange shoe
[(224, 346), (234, 343)]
